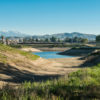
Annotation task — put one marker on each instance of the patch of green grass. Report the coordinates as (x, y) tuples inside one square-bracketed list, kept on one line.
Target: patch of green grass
[(4, 48), (86, 77), (28, 55), (18, 46)]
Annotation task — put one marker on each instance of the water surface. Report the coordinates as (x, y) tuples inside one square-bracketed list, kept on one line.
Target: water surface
[(51, 54)]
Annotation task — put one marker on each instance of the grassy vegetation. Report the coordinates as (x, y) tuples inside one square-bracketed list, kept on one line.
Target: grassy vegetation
[(10, 50), (19, 46), (80, 85)]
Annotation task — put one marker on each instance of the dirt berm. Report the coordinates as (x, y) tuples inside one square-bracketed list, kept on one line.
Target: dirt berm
[(92, 59), (78, 51)]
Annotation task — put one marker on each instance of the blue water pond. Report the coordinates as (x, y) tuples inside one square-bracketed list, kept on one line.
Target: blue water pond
[(51, 54)]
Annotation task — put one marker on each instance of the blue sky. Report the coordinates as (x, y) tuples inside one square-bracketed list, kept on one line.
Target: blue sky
[(50, 16)]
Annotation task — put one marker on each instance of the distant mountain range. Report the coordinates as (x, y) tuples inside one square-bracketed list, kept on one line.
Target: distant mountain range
[(59, 35), (12, 34), (69, 35)]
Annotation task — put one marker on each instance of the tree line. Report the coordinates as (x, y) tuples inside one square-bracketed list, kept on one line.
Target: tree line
[(54, 39)]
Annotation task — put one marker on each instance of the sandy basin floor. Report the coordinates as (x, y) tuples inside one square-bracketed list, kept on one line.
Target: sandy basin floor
[(69, 64)]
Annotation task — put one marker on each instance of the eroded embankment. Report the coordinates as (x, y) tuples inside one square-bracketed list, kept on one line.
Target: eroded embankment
[(92, 59)]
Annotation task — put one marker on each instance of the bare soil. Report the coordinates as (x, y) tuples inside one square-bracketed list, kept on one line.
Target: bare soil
[(19, 69), (31, 49)]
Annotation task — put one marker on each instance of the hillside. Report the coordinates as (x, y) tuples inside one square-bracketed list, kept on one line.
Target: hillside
[(69, 35), (17, 66)]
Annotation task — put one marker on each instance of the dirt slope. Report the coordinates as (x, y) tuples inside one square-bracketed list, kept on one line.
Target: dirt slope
[(92, 59), (18, 66)]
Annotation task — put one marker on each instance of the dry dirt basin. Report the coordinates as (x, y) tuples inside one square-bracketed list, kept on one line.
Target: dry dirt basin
[(38, 70)]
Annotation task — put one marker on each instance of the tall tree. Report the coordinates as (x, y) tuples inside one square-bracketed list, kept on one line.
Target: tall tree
[(98, 38), (37, 40), (84, 40), (46, 40), (53, 39)]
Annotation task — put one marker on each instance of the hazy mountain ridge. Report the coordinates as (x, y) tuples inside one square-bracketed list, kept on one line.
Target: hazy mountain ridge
[(59, 35), (12, 34), (69, 35)]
